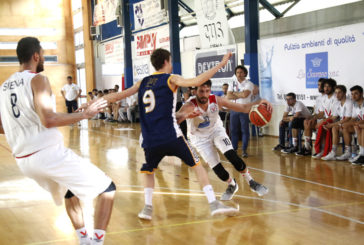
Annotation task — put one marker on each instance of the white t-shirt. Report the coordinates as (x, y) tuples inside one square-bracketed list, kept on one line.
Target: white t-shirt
[(358, 111), (71, 91), (131, 100), (24, 131), (328, 105), (298, 107), (318, 103), (236, 86), (345, 110)]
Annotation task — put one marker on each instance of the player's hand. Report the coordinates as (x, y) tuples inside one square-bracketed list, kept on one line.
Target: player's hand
[(82, 107), (225, 59), (267, 104), (95, 107), (194, 114)]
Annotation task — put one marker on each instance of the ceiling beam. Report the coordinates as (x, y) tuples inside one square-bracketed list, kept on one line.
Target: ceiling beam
[(271, 8)]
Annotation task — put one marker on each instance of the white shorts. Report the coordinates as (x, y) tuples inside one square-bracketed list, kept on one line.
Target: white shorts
[(58, 169), (206, 146)]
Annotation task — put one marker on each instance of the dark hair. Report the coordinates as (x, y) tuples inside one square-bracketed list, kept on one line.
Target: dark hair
[(106, 91), (89, 92), (208, 83), (158, 57), (342, 88), (69, 77), (331, 82), (225, 84), (116, 85), (100, 92), (27, 46), (358, 88), (293, 95), (94, 90), (321, 79), (243, 68)]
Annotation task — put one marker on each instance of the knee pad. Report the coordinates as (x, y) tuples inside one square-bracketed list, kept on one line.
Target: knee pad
[(221, 172), (237, 162), (69, 195), (111, 187)]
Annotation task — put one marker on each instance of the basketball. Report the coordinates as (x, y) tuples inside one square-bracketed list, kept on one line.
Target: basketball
[(259, 115)]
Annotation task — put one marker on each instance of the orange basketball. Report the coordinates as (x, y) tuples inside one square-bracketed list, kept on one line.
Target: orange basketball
[(259, 115)]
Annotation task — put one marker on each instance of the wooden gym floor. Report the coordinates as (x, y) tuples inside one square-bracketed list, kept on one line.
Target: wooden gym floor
[(310, 201)]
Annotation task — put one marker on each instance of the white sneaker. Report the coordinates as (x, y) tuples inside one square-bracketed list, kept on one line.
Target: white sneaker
[(344, 156), (146, 213), (353, 159), (317, 155), (217, 208), (330, 157)]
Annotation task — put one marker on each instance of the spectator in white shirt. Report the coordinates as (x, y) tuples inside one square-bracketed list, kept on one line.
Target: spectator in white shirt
[(240, 91), (70, 93)]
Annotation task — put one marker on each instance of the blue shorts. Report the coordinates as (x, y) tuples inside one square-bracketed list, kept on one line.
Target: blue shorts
[(179, 148)]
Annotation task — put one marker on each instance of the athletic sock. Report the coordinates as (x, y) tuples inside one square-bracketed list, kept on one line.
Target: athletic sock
[(247, 176), (232, 182), (334, 147), (209, 192), (99, 237), (308, 143), (82, 235), (361, 151), (148, 196), (348, 148), (294, 140)]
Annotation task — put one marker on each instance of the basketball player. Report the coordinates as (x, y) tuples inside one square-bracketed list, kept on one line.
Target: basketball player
[(30, 129), (160, 131), (206, 133)]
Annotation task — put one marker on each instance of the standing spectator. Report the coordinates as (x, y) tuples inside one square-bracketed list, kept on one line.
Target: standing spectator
[(224, 110), (240, 90), (70, 93)]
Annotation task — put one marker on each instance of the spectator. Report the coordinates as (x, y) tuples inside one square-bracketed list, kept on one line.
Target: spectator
[(70, 93), (293, 117), (224, 110), (91, 95), (328, 104), (95, 92), (342, 114), (356, 119), (240, 91), (310, 123), (132, 106)]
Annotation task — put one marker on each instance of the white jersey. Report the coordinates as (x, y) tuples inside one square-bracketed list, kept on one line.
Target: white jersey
[(318, 104), (207, 122), (328, 105), (358, 111), (23, 129), (345, 110)]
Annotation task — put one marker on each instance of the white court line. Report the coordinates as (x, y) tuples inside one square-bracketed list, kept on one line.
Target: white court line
[(256, 198), (262, 170)]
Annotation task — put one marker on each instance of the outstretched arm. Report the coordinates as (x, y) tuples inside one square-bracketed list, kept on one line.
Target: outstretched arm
[(186, 111), (200, 79), (122, 95), (245, 108), (43, 105)]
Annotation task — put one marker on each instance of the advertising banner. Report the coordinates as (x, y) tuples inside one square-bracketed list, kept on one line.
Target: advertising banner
[(114, 51), (148, 41), (295, 63), (206, 59), (148, 13), (104, 11)]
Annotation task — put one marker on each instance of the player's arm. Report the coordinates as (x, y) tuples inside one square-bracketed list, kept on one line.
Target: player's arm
[(176, 80), (122, 95), (43, 106), (186, 111), (63, 94), (245, 108), (1, 127), (238, 95)]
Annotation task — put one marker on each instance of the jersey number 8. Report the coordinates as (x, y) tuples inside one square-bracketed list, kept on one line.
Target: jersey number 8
[(149, 101)]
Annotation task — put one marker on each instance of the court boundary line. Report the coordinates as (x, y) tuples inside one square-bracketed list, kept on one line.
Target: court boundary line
[(300, 207)]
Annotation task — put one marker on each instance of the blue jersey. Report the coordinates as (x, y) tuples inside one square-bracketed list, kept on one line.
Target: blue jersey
[(157, 106)]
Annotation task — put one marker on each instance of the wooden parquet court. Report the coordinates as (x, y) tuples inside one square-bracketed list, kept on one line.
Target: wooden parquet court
[(310, 201)]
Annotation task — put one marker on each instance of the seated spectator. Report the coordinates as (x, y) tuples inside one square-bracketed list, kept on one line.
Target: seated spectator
[(329, 102), (359, 160), (123, 109), (310, 123), (342, 114), (224, 110), (350, 126), (95, 92), (91, 95), (293, 117), (132, 107)]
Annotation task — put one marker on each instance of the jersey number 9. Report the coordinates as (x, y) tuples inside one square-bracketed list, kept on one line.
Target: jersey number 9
[(149, 101)]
